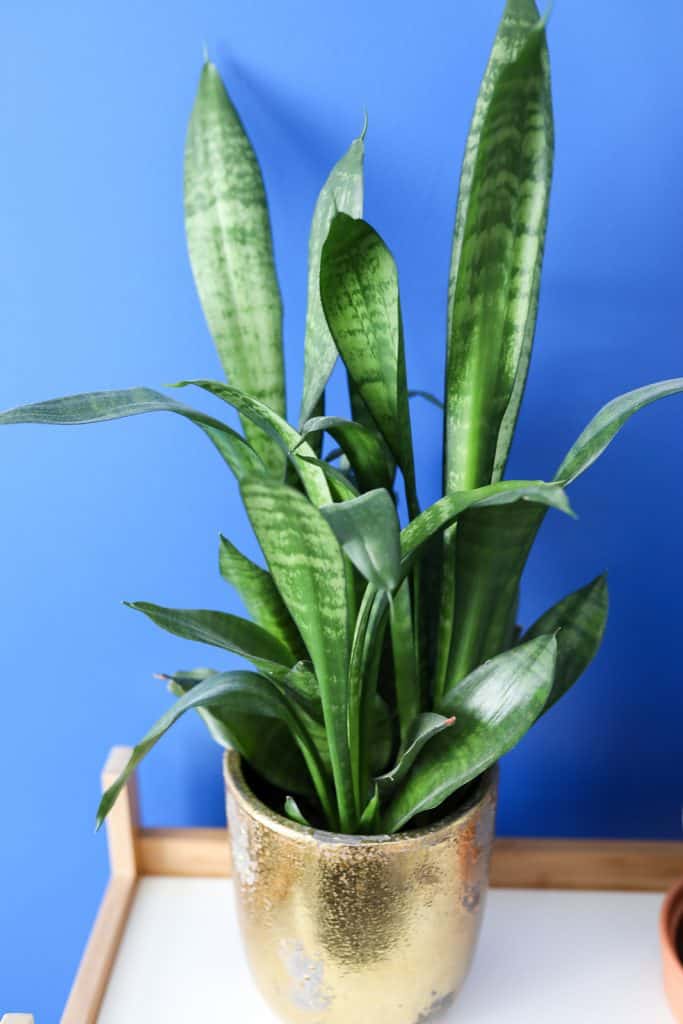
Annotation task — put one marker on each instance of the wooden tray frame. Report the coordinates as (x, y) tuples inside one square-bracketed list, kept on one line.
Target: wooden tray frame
[(136, 851)]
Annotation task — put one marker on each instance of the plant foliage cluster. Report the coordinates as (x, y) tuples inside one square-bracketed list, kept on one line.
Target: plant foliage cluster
[(387, 667)]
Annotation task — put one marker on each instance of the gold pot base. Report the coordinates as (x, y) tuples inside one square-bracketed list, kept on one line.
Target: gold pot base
[(358, 929)]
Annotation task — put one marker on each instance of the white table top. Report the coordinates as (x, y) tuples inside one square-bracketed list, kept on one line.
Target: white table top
[(544, 955)]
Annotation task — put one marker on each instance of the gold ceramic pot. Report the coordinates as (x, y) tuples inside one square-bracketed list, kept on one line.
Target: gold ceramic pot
[(358, 929)]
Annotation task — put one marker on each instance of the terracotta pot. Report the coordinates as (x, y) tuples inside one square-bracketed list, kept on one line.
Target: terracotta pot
[(363, 929), (670, 924)]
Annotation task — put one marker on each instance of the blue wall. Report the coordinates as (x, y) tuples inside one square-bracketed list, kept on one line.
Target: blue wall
[(95, 292)]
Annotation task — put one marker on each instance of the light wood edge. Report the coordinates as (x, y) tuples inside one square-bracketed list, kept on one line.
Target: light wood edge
[(17, 1018), (123, 825), (98, 959)]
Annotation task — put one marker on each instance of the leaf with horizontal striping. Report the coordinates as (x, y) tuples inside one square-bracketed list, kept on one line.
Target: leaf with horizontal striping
[(493, 708), (260, 596), (368, 530), (230, 247), (359, 293), (342, 192), (498, 250), (364, 447), (307, 565), (579, 621), (268, 421), (100, 406)]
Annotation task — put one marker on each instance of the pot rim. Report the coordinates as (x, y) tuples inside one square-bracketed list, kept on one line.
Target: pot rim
[(245, 796), (670, 919)]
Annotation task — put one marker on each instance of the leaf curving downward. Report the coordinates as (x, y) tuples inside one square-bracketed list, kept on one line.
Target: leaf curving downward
[(364, 447), (231, 252), (367, 528)]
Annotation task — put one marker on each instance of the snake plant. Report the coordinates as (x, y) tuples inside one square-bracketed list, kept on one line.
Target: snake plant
[(387, 667)]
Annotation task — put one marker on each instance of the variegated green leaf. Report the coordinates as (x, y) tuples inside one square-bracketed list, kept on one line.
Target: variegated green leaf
[(493, 708), (312, 476), (405, 655), (100, 406), (260, 596), (365, 449), (265, 743), (593, 440), (340, 486), (367, 528), (579, 621), (359, 293), (498, 250), (244, 692), (228, 237), (307, 565), (342, 192)]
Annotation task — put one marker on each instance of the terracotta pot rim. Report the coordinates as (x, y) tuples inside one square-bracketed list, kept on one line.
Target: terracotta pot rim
[(242, 792), (670, 919)]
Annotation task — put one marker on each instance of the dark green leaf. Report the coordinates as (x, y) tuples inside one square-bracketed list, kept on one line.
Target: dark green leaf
[(265, 743), (293, 811), (220, 629), (367, 528), (369, 819), (422, 730), (244, 692), (342, 192), (307, 565), (579, 621), (228, 237), (493, 708), (406, 668), (427, 395)]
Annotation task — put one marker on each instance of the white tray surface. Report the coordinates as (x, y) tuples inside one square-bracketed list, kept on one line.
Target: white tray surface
[(544, 955)]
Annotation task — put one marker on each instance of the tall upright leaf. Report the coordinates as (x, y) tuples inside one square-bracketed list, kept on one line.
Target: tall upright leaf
[(341, 193), (229, 241), (498, 250), (359, 293), (307, 564)]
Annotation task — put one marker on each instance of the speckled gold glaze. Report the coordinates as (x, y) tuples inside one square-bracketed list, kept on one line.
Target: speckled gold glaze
[(358, 930)]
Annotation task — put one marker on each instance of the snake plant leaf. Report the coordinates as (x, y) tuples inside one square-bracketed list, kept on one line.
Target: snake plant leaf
[(368, 530), (220, 629), (369, 819), (266, 744), (427, 396), (364, 447), (579, 622), (497, 251), (423, 728), (307, 565), (405, 655), (243, 692), (359, 294), (493, 546), (493, 708), (593, 440), (100, 406), (342, 192), (260, 596), (294, 812), (312, 476), (340, 486), (231, 252), (448, 509)]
